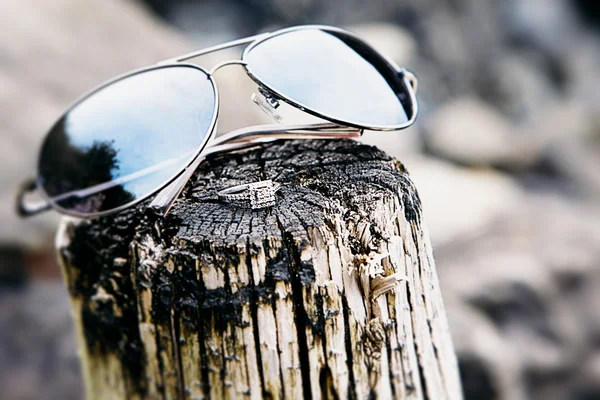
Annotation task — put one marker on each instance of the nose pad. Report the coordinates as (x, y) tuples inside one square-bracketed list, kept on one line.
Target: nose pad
[(273, 102), (267, 103)]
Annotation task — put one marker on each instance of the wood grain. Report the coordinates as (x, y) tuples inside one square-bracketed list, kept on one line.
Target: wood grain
[(332, 293)]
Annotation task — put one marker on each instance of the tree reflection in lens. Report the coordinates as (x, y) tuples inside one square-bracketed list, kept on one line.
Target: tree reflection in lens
[(100, 161), (127, 139)]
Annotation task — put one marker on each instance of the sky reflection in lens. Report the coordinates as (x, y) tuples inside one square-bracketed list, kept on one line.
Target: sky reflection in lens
[(125, 140), (318, 70)]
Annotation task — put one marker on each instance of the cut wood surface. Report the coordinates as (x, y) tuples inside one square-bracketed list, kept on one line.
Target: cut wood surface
[(331, 293)]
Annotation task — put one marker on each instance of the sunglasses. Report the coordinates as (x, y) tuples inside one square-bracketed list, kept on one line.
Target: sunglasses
[(146, 132)]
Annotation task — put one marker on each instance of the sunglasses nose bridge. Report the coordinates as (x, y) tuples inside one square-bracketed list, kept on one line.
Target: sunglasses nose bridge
[(226, 63)]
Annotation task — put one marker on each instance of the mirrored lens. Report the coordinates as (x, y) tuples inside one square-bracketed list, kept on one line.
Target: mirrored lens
[(127, 139), (332, 74)]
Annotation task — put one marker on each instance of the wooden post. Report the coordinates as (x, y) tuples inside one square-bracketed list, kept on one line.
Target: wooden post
[(332, 293)]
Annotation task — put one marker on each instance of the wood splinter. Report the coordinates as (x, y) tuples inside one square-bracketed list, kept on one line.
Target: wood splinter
[(331, 293)]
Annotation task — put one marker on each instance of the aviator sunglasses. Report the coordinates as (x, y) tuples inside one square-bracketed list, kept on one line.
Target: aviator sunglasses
[(146, 132)]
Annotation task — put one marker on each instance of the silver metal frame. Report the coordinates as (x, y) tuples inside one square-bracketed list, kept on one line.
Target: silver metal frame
[(280, 96), (170, 189), (52, 201)]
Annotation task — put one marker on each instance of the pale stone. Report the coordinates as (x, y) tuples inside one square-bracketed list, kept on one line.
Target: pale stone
[(391, 40), (460, 203), (470, 132)]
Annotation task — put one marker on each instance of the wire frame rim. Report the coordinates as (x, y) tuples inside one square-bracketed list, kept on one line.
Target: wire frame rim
[(45, 196), (280, 96)]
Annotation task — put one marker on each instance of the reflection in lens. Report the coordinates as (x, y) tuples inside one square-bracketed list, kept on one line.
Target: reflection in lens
[(334, 75), (127, 139)]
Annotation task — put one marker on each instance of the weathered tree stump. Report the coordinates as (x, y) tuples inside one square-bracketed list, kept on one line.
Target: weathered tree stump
[(332, 293)]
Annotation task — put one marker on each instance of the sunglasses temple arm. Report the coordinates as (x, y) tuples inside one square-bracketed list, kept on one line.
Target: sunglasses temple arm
[(236, 140), (163, 201), (25, 209), (243, 139)]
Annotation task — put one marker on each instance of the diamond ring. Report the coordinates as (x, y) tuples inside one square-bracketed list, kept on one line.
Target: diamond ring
[(253, 195)]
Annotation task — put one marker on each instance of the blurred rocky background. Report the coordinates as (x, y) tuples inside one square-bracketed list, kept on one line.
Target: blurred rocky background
[(505, 153)]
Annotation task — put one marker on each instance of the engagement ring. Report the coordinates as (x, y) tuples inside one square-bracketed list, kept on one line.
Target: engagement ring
[(252, 195)]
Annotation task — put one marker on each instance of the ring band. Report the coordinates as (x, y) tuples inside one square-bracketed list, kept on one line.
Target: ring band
[(253, 195)]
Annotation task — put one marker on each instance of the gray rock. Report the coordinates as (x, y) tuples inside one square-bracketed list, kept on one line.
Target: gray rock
[(391, 40), (513, 83), (583, 64), (459, 203), (569, 133), (548, 25), (525, 295), (38, 357), (470, 132)]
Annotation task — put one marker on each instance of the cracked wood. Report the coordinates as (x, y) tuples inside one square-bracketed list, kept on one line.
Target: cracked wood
[(332, 293)]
